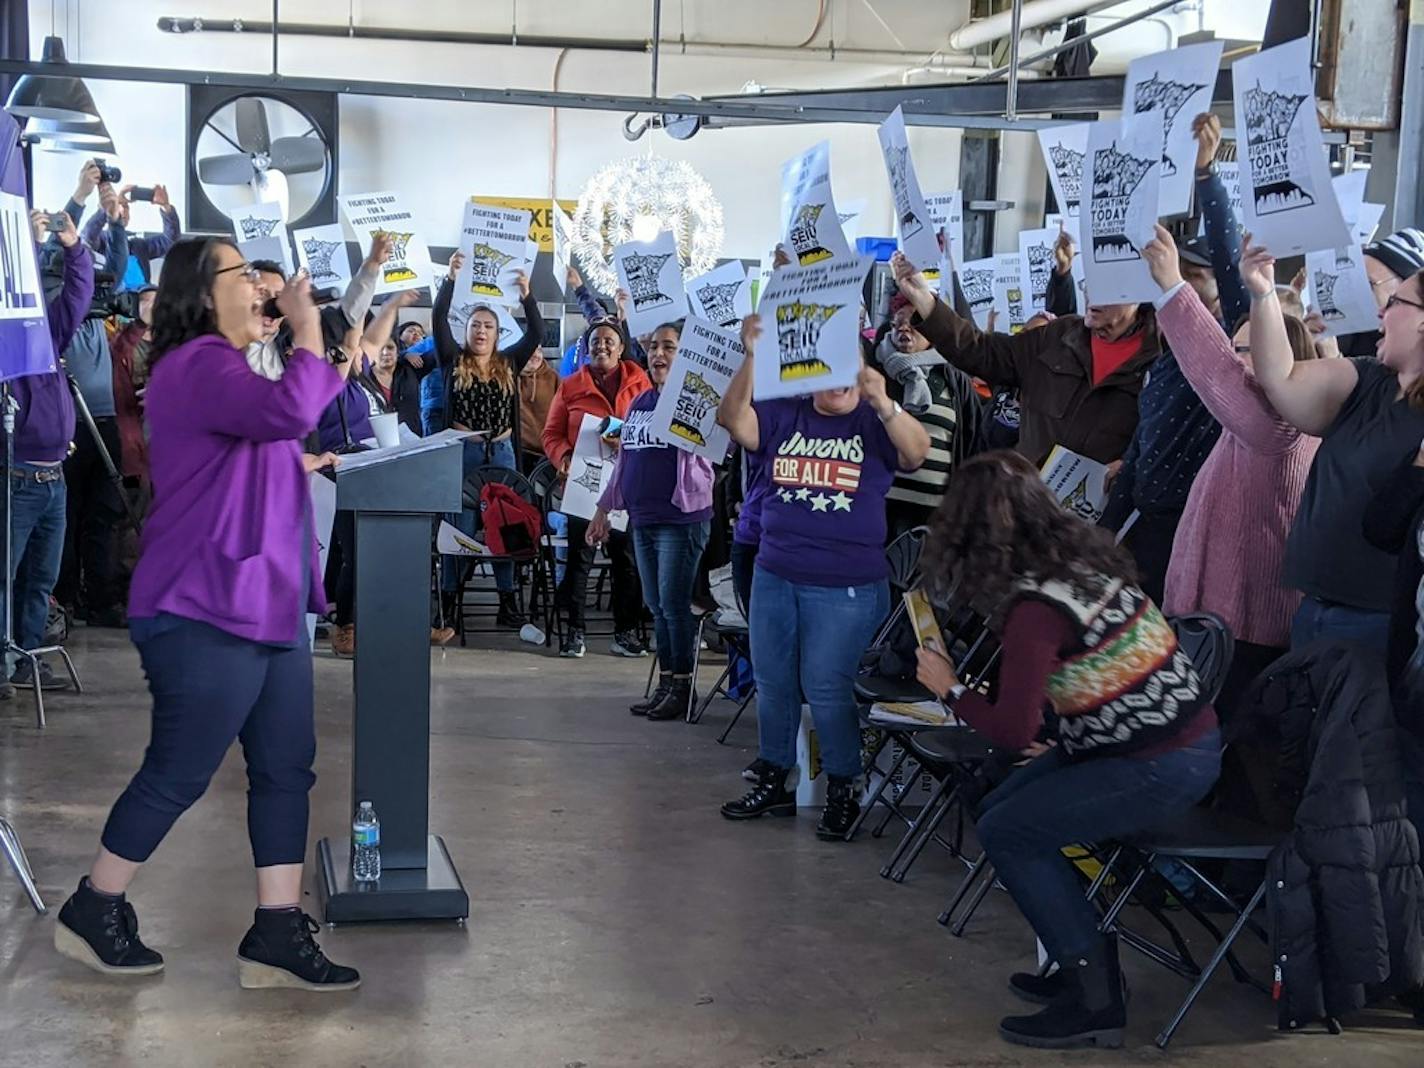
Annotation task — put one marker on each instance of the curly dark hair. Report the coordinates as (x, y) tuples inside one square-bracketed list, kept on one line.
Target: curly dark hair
[(999, 523), (182, 308)]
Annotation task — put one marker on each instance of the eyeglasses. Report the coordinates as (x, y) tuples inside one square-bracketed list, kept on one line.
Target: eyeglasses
[(1397, 299), (249, 272)]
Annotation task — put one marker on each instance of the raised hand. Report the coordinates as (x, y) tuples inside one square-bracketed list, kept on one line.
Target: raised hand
[(522, 280), (1258, 269), (382, 245), (912, 284), (456, 262), (872, 388), (1206, 128), (751, 330), (88, 181), (780, 258), (160, 197), (572, 278), (1063, 251), (1161, 256)]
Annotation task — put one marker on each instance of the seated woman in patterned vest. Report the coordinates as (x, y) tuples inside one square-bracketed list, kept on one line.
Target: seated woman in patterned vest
[(1133, 743)]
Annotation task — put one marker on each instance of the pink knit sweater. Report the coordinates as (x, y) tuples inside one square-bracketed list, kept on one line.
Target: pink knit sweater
[(1231, 542)]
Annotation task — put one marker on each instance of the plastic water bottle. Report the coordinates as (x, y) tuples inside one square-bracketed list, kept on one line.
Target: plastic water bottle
[(366, 844)]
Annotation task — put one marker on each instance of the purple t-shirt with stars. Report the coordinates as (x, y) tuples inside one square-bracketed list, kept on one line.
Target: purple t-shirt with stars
[(823, 516)]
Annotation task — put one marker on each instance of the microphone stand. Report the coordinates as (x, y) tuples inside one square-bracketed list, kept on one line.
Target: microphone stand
[(8, 646)]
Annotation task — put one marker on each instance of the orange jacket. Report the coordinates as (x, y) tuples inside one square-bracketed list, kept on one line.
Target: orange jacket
[(577, 397)]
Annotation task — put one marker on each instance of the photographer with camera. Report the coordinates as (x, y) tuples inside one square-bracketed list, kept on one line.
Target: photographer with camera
[(142, 250), (44, 425), (88, 586)]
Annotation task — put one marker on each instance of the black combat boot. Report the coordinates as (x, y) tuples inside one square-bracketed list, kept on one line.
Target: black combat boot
[(769, 797)]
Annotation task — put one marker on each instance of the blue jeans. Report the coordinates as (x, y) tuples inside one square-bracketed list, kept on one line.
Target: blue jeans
[(480, 454), (210, 687), (808, 640), (37, 547), (1317, 620), (668, 555), (1053, 802)]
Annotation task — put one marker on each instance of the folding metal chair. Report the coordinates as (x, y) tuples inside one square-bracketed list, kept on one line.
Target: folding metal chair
[(475, 483), (15, 854)]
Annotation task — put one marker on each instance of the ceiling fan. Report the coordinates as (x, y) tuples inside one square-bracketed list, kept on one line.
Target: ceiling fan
[(261, 162)]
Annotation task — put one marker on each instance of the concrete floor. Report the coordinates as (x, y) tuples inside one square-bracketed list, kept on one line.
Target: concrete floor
[(616, 921)]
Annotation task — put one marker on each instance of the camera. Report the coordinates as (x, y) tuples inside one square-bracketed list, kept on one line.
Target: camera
[(108, 302), (112, 175), (141, 192), (56, 223)]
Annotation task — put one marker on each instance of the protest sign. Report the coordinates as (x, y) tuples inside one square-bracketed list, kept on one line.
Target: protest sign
[(1120, 209), (1287, 201), (590, 471), (918, 240), (1065, 150), (254, 222), (976, 278), (1080, 484), (1173, 88), (652, 275), (1009, 293), (21, 293), (810, 226), (1340, 290), (686, 413), (813, 313), (369, 214), (850, 216), (723, 295), (1229, 171), (272, 249), (541, 216), (947, 214), (1036, 263), (322, 251), (495, 243), (562, 230)]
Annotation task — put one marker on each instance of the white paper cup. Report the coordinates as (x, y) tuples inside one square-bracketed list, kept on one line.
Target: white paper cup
[(387, 429)]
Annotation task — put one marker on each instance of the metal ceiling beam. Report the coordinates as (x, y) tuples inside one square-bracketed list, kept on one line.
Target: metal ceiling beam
[(922, 107)]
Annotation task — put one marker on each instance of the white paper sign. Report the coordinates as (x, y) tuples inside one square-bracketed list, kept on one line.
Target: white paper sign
[(918, 239), (976, 278), (563, 236), (810, 226), (813, 316), (1173, 88), (1230, 174), (590, 471), (1368, 222), (1120, 209), (686, 414), (21, 292), (1287, 202), (369, 214), (1340, 290), (850, 215), (1009, 293), (272, 249), (652, 274), (450, 540), (1036, 263), (1080, 484), (321, 250), (723, 295), (947, 214), (495, 245), (253, 222), (1065, 150)]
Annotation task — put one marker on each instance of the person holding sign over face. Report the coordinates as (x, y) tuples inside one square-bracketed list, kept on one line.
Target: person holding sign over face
[(480, 395), (819, 587), (667, 494)]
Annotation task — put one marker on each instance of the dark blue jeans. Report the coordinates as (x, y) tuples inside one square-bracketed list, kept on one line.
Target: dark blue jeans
[(1317, 620), (668, 555), (479, 454), (808, 640), (1053, 802), (37, 547), (208, 688)]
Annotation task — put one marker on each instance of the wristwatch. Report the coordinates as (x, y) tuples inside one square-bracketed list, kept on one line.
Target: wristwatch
[(337, 355), (894, 411), (957, 691)]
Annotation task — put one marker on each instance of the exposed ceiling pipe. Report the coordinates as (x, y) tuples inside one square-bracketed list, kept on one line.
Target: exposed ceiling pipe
[(679, 46), (1035, 13)]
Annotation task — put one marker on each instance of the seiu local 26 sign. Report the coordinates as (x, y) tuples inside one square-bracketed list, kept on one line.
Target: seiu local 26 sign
[(541, 215)]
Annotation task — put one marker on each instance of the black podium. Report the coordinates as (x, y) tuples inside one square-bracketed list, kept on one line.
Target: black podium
[(394, 493)]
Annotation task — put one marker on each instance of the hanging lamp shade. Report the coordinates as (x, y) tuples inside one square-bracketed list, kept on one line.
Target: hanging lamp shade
[(68, 135), (58, 96)]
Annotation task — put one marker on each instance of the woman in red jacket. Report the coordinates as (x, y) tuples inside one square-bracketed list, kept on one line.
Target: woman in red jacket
[(606, 386)]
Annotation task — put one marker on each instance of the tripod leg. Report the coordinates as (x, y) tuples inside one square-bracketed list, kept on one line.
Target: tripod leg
[(15, 854)]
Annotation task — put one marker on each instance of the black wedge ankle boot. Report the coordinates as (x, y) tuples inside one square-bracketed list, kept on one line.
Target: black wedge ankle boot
[(100, 931)]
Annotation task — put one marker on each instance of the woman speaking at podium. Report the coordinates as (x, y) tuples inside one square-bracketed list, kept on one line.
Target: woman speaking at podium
[(226, 574)]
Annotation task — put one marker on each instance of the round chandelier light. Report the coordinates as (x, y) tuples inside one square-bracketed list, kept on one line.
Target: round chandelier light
[(635, 200)]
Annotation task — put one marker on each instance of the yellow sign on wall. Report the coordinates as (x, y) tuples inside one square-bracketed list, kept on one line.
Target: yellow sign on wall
[(541, 224)]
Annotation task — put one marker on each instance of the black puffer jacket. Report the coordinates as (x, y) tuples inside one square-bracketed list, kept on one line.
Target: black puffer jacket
[(1345, 891)]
